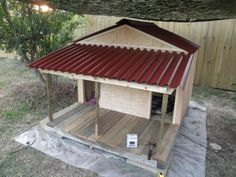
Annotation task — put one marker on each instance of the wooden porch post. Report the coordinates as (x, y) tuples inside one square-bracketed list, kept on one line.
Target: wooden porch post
[(97, 95), (163, 114), (48, 78), (81, 91)]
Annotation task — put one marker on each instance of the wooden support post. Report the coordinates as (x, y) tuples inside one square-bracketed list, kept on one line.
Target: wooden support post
[(163, 114), (81, 91), (97, 95), (48, 78)]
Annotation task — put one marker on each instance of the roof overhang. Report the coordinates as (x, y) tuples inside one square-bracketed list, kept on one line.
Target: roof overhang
[(144, 67), (153, 88)]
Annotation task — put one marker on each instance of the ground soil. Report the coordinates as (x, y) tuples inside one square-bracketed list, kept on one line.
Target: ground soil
[(23, 104), (221, 129)]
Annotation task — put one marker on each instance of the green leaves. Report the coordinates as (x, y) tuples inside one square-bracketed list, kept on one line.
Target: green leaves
[(32, 33)]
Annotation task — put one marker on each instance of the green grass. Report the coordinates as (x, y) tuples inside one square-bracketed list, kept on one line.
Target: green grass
[(17, 113)]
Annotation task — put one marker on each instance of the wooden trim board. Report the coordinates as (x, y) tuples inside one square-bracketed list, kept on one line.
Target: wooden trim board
[(141, 47), (48, 78), (81, 91), (183, 94), (153, 88)]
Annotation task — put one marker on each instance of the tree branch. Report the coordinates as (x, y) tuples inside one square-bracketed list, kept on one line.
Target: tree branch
[(164, 10)]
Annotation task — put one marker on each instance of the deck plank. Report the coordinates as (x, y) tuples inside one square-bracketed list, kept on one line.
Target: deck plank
[(83, 108), (150, 130), (64, 114), (154, 138), (167, 144), (89, 128), (109, 136), (114, 129), (74, 120), (81, 121), (122, 134), (138, 129), (109, 120)]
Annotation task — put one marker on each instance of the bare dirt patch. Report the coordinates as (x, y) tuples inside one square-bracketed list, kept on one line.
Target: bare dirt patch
[(221, 129)]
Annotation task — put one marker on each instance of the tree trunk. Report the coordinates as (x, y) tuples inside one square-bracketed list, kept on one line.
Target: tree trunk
[(165, 10)]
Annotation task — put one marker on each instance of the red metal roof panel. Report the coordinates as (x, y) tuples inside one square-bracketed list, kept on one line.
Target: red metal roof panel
[(163, 68)]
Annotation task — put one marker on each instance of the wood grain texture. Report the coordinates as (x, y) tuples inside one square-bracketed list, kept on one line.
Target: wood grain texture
[(128, 36), (81, 91), (97, 117), (163, 116), (64, 114), (72, 121), (183, 95), (126, 100), (114, 129), (167, 144), (142, 86), (48, 78)]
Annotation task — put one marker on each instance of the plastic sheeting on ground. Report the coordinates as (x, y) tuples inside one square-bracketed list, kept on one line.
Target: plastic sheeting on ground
[(188, 157)]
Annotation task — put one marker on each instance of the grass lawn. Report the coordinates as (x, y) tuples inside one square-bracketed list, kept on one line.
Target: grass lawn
[(23, 105)]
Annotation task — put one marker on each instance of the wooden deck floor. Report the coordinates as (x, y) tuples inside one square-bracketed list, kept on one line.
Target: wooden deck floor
[(79, 121)]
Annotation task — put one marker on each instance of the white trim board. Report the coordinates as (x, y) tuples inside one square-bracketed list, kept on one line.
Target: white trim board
[(132, 46), (153, 88)]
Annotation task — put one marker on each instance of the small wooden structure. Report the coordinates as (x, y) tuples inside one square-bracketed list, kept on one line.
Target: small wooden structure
[(141, 77)]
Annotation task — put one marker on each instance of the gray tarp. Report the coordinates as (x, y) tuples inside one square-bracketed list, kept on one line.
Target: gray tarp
[(188, 157)]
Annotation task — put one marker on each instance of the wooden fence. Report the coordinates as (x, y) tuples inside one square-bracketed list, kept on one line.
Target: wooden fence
[(216, 62)]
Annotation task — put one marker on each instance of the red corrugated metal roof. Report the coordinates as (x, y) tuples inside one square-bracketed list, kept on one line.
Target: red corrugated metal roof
[(155, 31), (163, 68)]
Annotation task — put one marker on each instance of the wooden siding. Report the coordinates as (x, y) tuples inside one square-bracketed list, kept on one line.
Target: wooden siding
[(183, 95), (128, 36), (126, 100), (216, 57)]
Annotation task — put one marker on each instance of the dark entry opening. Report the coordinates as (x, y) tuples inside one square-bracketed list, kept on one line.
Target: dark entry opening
[(157, 102), (90, 92)]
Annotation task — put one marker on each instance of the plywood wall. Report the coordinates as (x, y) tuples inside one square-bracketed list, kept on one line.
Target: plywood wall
[(183, 95), (126, 100), (216, 59), (128, 36)]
